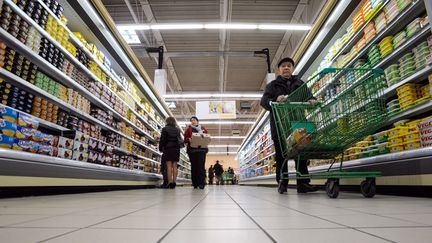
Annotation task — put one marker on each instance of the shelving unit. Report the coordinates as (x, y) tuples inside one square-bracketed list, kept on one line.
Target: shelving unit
[(251, 152), (18, 165), (410, 160)]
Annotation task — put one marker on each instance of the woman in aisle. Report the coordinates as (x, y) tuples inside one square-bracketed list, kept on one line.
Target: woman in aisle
[(197, 156), (170, 147)]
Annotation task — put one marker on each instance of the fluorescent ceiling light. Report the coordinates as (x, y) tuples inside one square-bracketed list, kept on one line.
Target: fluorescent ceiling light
[(224, 146), (283, 27), (130, 36), (213, 95), (176, 26), (229, 137), (238, 26), (231, 26)]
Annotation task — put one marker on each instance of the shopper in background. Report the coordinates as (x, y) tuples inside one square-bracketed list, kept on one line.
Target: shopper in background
[(197, 156), (276, 91), (218, 170), (230, 171), (210, 175), (170, 146)]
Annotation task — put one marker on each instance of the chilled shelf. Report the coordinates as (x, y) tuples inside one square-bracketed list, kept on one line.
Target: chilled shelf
[(65, 106), (389, 29), (18, 163), (77, 42), (256, 162), (418, 156), (76, 63), (357, 36)]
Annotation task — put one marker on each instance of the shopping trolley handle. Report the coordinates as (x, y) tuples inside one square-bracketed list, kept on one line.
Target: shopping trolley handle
[(298, 103)]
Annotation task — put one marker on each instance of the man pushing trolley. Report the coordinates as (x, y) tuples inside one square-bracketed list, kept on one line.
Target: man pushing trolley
[(304, 129)]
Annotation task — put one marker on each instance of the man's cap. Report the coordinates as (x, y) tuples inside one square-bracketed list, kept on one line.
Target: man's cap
[(286, 59)]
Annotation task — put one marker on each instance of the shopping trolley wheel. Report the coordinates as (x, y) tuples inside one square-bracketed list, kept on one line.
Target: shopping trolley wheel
[(332, 188), (368, 187)]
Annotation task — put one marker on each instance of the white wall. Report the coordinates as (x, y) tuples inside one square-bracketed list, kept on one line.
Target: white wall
[(225, 160)]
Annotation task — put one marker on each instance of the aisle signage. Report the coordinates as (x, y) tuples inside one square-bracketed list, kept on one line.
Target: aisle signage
[(216, 109), (425, 129)]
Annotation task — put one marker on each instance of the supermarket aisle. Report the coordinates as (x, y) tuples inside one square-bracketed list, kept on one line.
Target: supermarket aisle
[(230, 213)]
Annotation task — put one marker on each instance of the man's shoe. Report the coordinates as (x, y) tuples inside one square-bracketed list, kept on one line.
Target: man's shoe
[(201, 186), (282, 187), (306, 187)]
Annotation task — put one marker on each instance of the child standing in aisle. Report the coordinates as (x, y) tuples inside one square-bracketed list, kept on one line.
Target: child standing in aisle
[(170, 147)]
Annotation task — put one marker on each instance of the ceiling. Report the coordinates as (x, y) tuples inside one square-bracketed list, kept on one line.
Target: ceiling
[(214, 73)]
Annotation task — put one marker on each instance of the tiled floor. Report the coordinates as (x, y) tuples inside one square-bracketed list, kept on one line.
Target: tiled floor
[(216, 214)]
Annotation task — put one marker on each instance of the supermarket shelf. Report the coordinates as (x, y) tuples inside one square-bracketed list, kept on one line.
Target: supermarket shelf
[(403, 47), (18, 163), (253, 163), (54, 72), (247, 157), (397, 52), (394, 24), (405, 163), (415, 154), (92, 16), (114, 76), (261, 167), (65, 106), (416, 110), (259, 178), (417, 76), (43, 123), (258, 125), (357, 36), (76, 63)]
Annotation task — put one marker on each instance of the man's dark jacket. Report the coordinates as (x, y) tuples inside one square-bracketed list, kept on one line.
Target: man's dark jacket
[(282, 86), (218, 170)]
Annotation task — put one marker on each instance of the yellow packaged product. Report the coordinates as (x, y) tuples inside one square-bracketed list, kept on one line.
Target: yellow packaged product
[(397, 148), (407, 88), (412, 145), (412, 136), (396, 140), (397, 131)]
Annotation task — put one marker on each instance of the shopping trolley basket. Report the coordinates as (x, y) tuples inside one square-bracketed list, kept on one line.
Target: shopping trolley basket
[(323, 130)]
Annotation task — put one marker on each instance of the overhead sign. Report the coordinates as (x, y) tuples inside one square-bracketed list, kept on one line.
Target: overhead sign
[(216, 109)]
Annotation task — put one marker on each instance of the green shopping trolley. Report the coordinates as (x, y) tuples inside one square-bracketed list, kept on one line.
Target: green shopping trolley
[(323, 130)]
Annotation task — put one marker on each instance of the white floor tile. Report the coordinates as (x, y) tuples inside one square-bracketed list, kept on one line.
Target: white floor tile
[(16, 219), (216, 236), (77, 221), (365, 220), (217, 223), (294, 222), (272, 212), (37, 211), (424, 218), (141, 222), (111, 236), (146, 215), (322, 236), (401, 235), (203, 212), (19, 235)]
